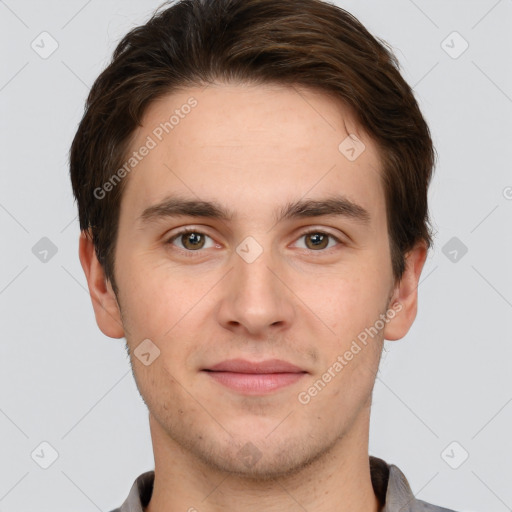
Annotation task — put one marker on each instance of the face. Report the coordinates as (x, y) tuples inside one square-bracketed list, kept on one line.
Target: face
[(257, 277)]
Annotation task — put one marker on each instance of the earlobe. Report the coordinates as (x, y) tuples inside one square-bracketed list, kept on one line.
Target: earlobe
[(405, 296), (106, 309)]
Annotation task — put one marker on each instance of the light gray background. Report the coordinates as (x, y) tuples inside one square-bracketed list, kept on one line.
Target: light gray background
[(65, 383)]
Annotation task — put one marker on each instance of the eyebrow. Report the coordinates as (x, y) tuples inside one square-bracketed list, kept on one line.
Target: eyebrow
[(331, 206)]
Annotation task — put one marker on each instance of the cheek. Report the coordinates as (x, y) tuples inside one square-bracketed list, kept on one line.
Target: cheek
[(148, 301), (352, 299), (163, 390), (164, 305), (352, 310)]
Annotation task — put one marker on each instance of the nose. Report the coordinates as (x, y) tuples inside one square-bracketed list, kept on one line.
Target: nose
[(256, 299)]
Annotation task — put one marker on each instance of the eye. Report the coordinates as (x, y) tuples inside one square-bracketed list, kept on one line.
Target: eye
[(191, 240), (318, 240)]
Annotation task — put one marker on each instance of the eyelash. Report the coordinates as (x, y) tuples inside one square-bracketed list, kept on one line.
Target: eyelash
[(190, 253)]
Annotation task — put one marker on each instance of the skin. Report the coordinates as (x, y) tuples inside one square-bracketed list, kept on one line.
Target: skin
[(253, 149)]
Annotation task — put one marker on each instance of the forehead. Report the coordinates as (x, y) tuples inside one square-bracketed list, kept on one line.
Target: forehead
[(251, 145)]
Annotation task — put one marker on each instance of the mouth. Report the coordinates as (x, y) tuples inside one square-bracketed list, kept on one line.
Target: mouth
[(255, 378)]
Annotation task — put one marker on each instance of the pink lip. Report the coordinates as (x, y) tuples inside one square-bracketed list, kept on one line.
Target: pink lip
[(268, 366), (255, 378)]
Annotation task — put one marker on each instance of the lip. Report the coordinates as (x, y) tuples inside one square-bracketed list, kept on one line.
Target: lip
[(255, 378), (267, 366)]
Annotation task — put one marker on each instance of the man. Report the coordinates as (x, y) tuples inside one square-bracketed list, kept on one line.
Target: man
[(251, 179)]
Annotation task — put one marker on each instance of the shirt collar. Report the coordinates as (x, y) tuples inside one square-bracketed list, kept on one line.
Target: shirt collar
[(389, 483)]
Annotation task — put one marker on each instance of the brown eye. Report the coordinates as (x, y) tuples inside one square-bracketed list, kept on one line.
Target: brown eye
[(317, 240), (190, 240)]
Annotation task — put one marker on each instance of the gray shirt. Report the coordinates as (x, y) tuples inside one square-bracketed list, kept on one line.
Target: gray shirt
[(389, 484)]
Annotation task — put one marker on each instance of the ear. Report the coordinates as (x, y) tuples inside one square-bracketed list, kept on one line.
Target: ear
[(405, 296), (104, 302)]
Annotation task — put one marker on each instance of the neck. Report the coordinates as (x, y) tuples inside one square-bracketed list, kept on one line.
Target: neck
[(339, 480)]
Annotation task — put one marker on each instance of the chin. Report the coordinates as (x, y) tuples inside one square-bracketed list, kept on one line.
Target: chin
[(260, 458)]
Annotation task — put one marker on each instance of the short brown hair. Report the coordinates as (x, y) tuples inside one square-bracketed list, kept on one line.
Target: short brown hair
[(308, 43)]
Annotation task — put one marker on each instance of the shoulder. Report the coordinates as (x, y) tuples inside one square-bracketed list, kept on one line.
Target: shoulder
[(423, 506), (399, 495)]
